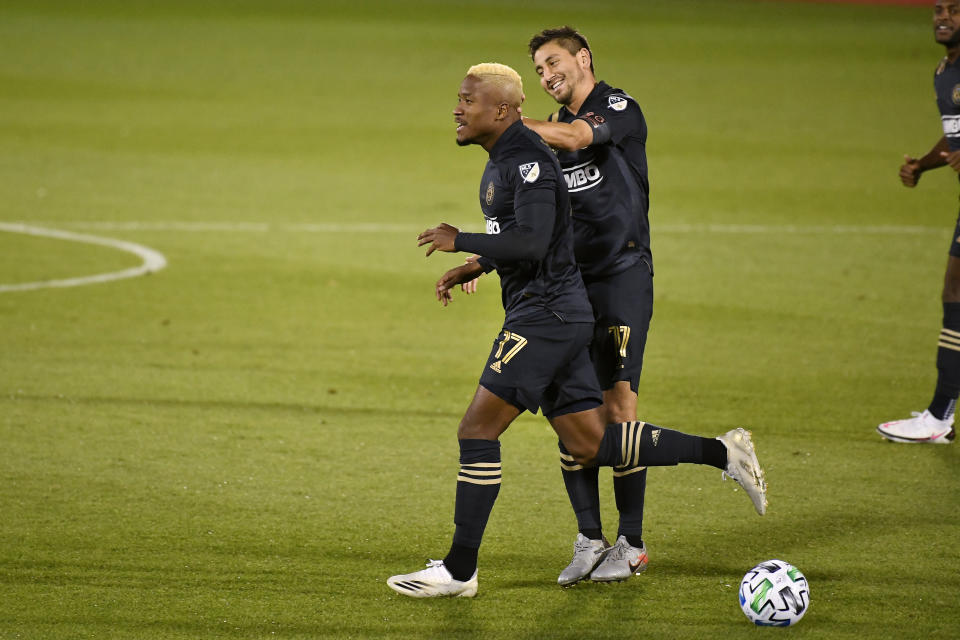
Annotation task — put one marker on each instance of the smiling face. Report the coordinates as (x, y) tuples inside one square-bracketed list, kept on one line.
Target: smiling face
[(476, 115), (565, 76), (946, 22)]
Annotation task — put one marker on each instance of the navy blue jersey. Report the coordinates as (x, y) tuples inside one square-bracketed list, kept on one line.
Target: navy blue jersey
[(608, 184), (946, 82), (523, 172)]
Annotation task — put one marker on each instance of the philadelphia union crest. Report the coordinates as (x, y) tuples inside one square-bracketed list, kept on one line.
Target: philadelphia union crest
[(955, 94), (489, 197)]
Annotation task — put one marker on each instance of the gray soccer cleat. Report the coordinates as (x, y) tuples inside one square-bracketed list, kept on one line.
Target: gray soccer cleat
[(742, 466), (432, 582), (587, 554), (621, 562)]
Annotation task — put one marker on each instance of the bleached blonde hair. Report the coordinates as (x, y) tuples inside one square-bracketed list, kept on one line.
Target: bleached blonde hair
[(503, 77)]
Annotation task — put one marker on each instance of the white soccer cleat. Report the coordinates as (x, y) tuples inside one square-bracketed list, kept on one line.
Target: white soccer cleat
[(621, 562), (432, 582), (587, 554), (922, 428), (742, 466)]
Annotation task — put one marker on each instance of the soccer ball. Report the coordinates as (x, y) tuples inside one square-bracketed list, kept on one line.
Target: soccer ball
[(774, 594)]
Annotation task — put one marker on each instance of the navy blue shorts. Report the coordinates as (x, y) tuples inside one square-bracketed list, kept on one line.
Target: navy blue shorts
[(955, 241), (543, 364), (622, 308)]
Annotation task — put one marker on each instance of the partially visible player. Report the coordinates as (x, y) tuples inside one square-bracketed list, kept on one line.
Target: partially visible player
[(935, 423), (600, 136), (540, 358)]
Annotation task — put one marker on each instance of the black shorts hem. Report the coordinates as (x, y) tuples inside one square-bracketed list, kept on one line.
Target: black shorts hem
[(574, 407), (508, 395), (633, 380)]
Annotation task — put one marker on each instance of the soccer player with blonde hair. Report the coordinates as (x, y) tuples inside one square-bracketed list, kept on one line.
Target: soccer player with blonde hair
[(539, 360)]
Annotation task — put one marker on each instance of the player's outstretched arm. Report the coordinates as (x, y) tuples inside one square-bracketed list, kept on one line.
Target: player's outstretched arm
[(528, 239), (568, 136), (938, 156)]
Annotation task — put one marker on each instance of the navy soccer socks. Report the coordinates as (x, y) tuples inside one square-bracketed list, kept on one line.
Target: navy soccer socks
[(639, 444), (948, 364), (630, 447), (629, 487), (478, 484), (582, 486), (625, 446)]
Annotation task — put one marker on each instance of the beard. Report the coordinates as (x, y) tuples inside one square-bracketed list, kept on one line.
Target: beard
[(570, 83), (566, 97), (953, 41)]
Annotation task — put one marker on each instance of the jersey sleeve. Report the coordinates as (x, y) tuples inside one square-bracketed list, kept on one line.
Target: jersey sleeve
[(528, 239), (535, 180), (487, 264), (620, 118)]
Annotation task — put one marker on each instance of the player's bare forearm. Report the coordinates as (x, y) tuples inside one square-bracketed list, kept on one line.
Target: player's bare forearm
[(453, 277), (944, 155), (568, 136), (934, 158), (938, 156)]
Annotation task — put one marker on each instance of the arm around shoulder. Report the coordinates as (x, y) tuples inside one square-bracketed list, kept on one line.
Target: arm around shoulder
[(567, 136)]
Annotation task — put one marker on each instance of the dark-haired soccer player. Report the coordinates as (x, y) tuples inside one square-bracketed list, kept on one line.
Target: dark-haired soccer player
[(600, 136), (540, 358), (935, 423)]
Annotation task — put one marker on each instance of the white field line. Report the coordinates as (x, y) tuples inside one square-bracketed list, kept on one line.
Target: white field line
[(240, 227), (152, 260), (793, 229), (375, 227)]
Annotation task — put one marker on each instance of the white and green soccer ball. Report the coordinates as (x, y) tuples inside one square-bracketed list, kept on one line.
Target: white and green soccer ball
[(774, 594)]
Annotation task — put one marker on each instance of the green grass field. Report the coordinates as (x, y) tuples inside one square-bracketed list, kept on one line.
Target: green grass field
[(248, 442)]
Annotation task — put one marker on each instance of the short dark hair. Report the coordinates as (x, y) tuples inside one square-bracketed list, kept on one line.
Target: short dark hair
[(566, 36)]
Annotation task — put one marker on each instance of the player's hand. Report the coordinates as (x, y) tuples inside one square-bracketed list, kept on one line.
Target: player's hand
[(910, 171), (952, 158), (457, 275), (439, 238), (471, 286)]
